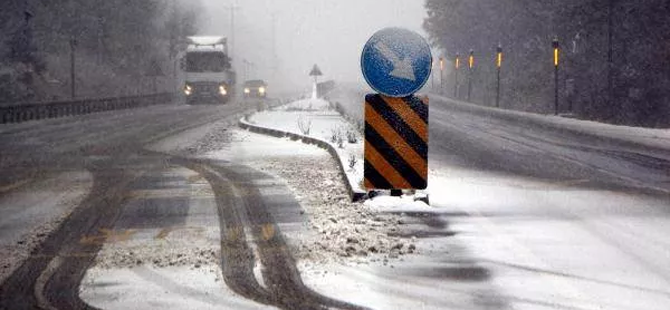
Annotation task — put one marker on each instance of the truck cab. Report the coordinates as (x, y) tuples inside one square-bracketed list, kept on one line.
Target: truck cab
[(209, 76)]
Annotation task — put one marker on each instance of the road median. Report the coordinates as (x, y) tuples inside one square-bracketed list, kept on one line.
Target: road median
[(313, 121)]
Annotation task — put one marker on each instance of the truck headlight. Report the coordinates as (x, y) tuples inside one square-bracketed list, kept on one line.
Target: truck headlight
[(261, 90), (222, 90), (247, 90)]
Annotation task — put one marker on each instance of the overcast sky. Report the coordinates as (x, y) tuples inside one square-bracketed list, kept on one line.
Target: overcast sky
[(330, 33)]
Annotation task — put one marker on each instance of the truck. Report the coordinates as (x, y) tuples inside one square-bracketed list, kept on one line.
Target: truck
[(208, 71)]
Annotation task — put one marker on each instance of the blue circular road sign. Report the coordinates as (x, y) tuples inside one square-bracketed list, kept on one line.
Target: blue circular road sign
[(396, 62)]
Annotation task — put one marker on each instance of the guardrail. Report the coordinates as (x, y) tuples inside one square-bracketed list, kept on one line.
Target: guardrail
[(36, 111)]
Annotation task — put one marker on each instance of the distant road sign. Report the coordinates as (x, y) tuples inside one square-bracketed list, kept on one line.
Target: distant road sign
[(396, 62), (396, 142), (315, 71)]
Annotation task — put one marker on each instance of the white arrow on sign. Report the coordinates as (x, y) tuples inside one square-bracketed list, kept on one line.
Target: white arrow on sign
[(402, 69)]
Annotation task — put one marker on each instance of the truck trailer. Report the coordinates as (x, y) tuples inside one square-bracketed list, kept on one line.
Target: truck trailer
[(208, 72)]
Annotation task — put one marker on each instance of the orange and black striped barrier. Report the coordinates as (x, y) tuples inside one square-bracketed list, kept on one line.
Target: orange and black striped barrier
[(396, 142)]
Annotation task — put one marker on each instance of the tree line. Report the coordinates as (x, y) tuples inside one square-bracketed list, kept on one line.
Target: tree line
[(614, 55), (119, 47)]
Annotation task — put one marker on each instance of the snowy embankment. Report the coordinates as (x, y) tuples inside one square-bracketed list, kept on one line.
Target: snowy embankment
[(316, 121), (344, 229)]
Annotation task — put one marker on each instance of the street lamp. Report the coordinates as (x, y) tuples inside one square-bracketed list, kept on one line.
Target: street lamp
[(441, 74), (499, 56), (556, 54), (471, 64), (457, 64)]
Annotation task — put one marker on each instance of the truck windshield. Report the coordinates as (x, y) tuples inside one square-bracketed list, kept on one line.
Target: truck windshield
[(206, 62)]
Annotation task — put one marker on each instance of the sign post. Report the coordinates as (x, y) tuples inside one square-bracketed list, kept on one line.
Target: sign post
[(316, 72), (396, 63)]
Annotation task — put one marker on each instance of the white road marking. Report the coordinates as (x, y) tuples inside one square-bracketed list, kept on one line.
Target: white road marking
[(402, 68)]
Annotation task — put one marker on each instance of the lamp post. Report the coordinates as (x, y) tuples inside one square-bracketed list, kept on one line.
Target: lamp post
[(441, 74), (471, 64), (457, 64), (556, 54), (498, 66)]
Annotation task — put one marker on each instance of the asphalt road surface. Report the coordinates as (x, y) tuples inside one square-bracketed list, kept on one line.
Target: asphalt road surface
[(112, 147), (561, 219), (551, 218)]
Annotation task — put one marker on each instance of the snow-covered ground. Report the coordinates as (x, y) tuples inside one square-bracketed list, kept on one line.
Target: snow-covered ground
[(318, 119), (495, 241), (488, 240), (29, 215), (337, 229), (349, 251)]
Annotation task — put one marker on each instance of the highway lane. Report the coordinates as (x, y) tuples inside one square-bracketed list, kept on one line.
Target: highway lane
[(106, 145), (111, 146), (523, 148), (561, 219)]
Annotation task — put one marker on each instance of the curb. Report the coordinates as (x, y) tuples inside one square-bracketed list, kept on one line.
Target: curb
[(355, 193)]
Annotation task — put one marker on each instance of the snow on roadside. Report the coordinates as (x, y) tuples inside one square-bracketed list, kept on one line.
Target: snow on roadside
[(53, 198), (340, 231), (318, 119)]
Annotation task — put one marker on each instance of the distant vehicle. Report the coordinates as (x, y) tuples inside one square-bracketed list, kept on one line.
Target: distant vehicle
[(255, 89), (208, 71)]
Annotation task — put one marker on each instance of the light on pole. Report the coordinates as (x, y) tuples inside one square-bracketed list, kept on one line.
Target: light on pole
[(556, 58), (499, 56), (441, 74), (457, 65), (471, 64), (432, 75)]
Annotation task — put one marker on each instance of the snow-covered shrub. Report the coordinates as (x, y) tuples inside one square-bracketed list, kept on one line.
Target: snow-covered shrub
[(352, 161), (304, 126), (351, 136)]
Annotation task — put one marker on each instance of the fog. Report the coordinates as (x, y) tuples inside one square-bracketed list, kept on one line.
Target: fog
[(280, 40)]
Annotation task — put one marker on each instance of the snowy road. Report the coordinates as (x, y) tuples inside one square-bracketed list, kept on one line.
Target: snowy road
[(522, 217), (108, 146), (559, 219), (142, 209), (516, 146)]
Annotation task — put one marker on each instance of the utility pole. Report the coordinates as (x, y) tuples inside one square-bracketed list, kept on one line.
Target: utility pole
[(232, 8), (245, 73), (274, 39)]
